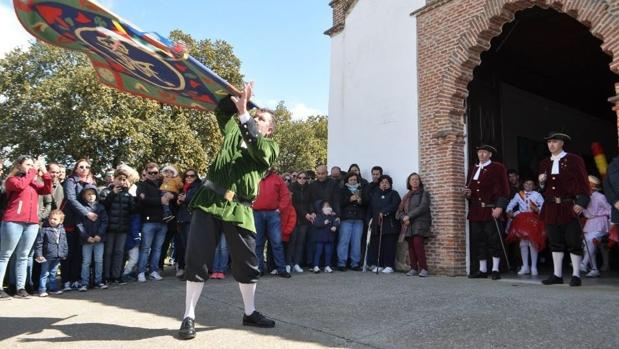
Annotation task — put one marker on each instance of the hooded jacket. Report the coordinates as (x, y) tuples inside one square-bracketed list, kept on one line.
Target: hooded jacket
[(23, 193), (323, 224), (119, 207), (51, 242)]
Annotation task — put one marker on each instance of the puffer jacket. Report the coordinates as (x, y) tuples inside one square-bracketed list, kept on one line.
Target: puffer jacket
[(23, 197), (119, 207)]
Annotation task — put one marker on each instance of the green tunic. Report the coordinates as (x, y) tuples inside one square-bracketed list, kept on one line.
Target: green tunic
[(238, 167)]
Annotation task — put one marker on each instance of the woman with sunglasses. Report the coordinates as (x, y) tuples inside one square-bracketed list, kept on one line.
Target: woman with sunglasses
[(302, 205), (20, 223), (74, 210), (191, 183)]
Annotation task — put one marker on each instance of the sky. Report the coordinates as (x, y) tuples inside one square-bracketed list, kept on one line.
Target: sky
[(280, 42)]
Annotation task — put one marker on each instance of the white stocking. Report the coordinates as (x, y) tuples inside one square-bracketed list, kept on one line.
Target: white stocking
[(533, 258), (557, 262), (248, 292), (575, 264), (192, 294), (594, 265), (524, 253), (495, 263), (483, 266)]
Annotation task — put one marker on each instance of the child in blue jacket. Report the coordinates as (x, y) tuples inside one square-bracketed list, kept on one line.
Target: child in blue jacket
[(50, 248), (92, 233)]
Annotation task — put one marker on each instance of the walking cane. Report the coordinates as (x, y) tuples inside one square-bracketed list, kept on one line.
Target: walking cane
[(380, 240), (496, 224), (367, 246)]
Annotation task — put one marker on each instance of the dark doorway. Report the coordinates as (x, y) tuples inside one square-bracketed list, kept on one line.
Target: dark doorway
[(544, 72)]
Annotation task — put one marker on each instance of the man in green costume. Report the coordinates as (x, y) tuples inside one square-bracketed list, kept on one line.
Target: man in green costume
[(223, 204)]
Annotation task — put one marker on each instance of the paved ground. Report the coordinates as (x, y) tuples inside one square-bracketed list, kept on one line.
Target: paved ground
[(341, 310)]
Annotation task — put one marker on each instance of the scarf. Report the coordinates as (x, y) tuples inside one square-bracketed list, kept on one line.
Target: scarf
[(555, 162), (352, 187), (186, 187), (479, 168)]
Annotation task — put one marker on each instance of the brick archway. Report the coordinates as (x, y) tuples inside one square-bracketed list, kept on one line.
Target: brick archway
[(442, 110)]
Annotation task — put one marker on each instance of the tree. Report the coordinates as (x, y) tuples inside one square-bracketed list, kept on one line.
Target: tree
[(52, 104), (303, 143)]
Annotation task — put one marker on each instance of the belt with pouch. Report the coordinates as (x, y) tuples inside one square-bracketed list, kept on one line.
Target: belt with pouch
[(229, 195), (483, 204)]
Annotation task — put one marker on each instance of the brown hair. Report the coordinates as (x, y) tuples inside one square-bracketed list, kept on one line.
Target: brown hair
[(58, 213), (79, 161)]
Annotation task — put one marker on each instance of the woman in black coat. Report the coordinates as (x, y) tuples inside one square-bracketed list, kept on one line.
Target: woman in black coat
[(191, 184), (385, 227), (302, 206)]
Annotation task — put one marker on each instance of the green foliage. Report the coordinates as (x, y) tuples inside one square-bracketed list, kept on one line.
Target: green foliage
[(303, 143), (52, 104)]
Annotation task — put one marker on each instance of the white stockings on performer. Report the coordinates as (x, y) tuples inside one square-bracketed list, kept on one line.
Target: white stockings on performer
[(248, 291), (495, 263), (575, 264), (483, 266), (192, 294), (525, 246), (557, 262)]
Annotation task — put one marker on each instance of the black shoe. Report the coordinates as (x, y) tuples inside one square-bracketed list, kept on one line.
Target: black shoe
[(258, 320), (342, 269), (575, 281), (496, 275), (284, 274), (553, 280), (478, 275), (187, 330), (4, 295), (23, 294), (357, 268)]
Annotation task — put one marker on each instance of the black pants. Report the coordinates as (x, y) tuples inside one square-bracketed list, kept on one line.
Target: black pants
[(203, 239), (72, 266), (485, 236), (294, 252), (180, 243), (565, 236), (387, 250), (113, 255)]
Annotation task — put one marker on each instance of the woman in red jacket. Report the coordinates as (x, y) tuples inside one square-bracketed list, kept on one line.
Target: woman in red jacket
[(20, 223)]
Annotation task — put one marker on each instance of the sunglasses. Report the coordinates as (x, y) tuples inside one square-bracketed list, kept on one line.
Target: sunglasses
[(301, 177), (82, 167), (153, 173), (190, 175)]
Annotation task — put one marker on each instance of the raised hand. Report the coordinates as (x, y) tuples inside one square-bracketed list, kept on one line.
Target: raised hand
[(241, 101)]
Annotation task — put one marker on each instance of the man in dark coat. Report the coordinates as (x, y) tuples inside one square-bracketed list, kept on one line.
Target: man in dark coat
[(611, 189), (563, 178), (487, 190)]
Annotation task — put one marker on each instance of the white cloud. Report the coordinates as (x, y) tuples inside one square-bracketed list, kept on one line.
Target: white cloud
[(13, 34), (301, 111)]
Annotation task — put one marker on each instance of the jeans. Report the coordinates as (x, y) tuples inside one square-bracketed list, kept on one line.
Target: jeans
[(132, 259), (49, 270), (153, 236), (328, 248), (18, 238), (222, 256), (268, 225), (87, 251), (350, 235)]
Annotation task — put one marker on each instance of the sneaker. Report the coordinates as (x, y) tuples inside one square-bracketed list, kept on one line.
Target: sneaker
[(43, 294), (4, 295), (387, 270), (341, 269), (374, 269), (67, 286), (258, 320), (180, 273), (141, 277), (155, 276), (284, 274), (297, 269), (101, 286), (22, 294), (76, 285), (288, 269), (123, 280), (274, 272), (523, 271), (575, 281), (167, 219), (328, 269), (187, 330), (412, 272), (83, 288), (423, 273), (593, 274), (216, 275), (316, 270), (58, 292)]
